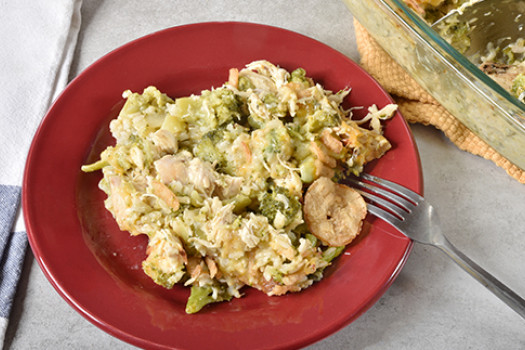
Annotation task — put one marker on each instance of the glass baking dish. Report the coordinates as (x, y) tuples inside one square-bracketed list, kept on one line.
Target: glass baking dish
[(465, 91)]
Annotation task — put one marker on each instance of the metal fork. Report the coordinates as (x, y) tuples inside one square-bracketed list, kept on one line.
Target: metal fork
[(409, 213)]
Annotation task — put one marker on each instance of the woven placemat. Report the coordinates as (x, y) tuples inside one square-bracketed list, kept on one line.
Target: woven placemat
[(417, 106)]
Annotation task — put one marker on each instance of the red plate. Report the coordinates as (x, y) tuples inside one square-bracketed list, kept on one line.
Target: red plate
[(96, 267)]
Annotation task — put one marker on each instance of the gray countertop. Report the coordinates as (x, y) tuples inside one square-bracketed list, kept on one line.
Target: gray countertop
[(433, 304)]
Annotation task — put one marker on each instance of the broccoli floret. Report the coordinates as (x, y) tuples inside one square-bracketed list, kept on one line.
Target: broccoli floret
[(202, 296), (320, 120), (299, 76), (332, 252), (245, 83), (207, 151), (226, 106), (278, 200)]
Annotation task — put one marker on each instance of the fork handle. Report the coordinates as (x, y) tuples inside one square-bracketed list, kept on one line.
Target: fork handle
[(503, 292)]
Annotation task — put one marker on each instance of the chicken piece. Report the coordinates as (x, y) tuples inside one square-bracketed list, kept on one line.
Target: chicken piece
[(300, 90), (331, 142), (247, 151), (233, 78), (322, 170), (165, 141), (166, 259), (212, 266), (172, 168), (333, 212), (120, 201), (194, 267), (164, 193), (185, 170), (322, 156), (229, 187)]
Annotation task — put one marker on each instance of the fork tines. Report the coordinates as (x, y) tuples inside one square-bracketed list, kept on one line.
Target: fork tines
[(386, 199)]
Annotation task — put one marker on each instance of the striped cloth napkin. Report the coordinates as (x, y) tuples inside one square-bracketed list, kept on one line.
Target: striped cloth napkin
[(37, 40)]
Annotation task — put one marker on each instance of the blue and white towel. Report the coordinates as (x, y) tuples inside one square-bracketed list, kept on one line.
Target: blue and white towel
[(38, 39)]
